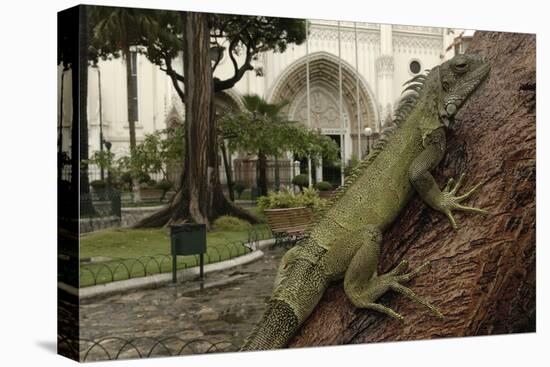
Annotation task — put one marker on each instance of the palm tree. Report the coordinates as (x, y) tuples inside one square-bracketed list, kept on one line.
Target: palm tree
[(259, 107)]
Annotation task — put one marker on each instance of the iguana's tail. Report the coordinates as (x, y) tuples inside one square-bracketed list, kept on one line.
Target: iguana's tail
[(297, 292), (277, 326)]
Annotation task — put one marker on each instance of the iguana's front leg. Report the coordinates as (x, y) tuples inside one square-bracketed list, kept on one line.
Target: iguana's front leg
[(444, 200)]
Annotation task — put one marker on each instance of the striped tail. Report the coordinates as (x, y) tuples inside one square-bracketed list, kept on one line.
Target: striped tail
[(299, 288), (277, 326)]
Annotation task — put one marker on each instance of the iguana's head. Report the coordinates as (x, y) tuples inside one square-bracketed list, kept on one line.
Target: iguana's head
[(459, 77)]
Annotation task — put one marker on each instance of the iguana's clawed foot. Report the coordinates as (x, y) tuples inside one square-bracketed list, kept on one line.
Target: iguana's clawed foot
[(449, 201), (394, 280)]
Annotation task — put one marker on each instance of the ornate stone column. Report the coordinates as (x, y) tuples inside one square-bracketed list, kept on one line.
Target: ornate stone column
[(384, 73)]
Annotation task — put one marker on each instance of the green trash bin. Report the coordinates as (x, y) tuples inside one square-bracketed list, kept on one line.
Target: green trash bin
[(188, 239)]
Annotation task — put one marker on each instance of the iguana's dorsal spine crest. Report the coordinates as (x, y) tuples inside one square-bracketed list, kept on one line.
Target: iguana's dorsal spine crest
[(406, 104)]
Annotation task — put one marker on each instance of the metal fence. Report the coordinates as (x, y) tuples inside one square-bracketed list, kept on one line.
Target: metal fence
[(113, 347), (278, 172), (127, 268), (101, 204)]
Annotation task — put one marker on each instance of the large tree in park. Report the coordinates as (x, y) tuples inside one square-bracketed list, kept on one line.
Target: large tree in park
[(115, 32), (262, 129), (203, 40), (74, 55)]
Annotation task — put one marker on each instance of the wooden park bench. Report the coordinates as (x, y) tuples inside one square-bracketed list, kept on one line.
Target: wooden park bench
[(289, 224)]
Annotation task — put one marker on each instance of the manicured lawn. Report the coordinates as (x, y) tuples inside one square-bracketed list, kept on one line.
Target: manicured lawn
[(141, 252)]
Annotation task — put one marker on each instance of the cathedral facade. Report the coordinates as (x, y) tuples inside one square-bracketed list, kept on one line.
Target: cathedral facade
[(353, 72)]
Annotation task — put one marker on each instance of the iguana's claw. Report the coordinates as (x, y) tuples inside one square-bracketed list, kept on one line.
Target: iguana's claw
[(449, 201), (396, 284)]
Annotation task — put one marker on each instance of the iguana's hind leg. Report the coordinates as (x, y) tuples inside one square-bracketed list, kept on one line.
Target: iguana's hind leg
[(363, 287)]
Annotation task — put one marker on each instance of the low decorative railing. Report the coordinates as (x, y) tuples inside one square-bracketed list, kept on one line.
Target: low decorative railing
[(112, 347), (127, 268)]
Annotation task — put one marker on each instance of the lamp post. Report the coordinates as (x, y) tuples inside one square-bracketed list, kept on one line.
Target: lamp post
[(368, 133)]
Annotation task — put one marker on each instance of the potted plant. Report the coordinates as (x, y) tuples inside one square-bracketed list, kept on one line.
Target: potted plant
[(302, 181), (100, 188), (325, 189)]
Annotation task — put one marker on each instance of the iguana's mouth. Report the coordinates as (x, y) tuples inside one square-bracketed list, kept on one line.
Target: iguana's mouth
[(478, 75)]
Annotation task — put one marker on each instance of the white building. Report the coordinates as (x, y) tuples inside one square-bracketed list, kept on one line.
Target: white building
[(376, 59)]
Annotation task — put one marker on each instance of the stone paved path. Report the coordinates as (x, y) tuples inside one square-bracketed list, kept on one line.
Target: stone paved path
[(223, 313)]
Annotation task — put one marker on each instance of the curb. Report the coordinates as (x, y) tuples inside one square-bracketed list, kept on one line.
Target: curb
[(156, 280)]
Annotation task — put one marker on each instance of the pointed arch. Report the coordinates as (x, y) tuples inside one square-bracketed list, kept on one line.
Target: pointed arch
[(323, 68)]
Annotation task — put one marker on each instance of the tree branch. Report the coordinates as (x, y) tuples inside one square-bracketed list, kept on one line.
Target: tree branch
[(239, 72), (175, 77)]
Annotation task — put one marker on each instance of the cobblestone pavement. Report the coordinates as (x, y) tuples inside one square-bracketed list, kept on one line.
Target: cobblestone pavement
[(178, 313)]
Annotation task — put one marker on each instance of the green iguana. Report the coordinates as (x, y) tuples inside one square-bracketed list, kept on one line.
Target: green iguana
[(345, 241)]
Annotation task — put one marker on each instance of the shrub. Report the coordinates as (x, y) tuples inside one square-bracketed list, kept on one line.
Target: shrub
[(164, 185), (230, 223), (98, 184), (301, 181), (323, 186), (277, 200), (126, 178), (309, 197), (144, 178), (239, 187)]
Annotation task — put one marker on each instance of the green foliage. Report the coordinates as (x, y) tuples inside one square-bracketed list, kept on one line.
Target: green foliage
[(323, 186), (286, 198), (103, 159), (98, 184), (230, 223), (158, 151), (239, 187), (158, 35), (352, 164), (262, 127), (301, 181), (164, 185)]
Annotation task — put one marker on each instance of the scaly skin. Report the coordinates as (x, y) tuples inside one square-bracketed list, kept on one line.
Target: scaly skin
[(345, 242)]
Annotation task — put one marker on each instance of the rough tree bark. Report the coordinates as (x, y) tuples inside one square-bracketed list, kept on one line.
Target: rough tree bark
[(80, 115), (483, 275), (262, 173), (200, 197)]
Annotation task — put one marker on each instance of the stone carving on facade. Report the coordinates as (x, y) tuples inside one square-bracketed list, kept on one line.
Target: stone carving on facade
[(324, 109), (418, 29), (385, 64), (346, 35), (410, 43)]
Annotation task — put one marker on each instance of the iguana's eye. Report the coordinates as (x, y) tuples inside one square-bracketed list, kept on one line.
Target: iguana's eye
[(461, 67)]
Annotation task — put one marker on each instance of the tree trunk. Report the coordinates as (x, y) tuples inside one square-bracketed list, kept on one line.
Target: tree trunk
[(130, 86), (200, 198), (228, 175), (80, 114), (262, 174), (483, 275)]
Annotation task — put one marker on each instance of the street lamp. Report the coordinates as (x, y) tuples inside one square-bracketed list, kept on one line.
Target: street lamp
[(368, 133)]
